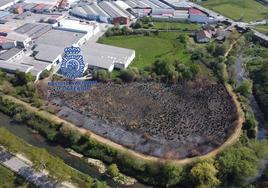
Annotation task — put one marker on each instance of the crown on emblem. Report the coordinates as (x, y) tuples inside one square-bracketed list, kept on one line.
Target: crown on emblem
[(72, 50)]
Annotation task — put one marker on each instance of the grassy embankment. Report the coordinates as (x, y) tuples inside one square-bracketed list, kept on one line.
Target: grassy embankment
[(244, 10), (262, 28), (9, 179), (41, 160), (176, 25)]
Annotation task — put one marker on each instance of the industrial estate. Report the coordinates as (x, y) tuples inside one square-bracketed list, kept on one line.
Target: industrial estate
[(35, 33), (133, 93)]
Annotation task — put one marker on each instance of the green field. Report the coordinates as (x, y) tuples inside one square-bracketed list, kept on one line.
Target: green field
[(176, 25), (246, 10), (149, 48), (262, 28)]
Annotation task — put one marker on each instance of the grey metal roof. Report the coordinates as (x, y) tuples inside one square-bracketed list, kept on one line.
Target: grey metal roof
[(13, 66), (160, 4), (47, 53), (9, 54), (4, 2), (137, 4), (110, 9), (177, 3), (4, 14), (33, 30), (99, 11), (124, 11), (150, 4), (59, 38), (105, 56), (79, 11)]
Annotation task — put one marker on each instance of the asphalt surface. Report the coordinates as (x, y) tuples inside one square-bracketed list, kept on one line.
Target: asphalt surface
[(21, 168)]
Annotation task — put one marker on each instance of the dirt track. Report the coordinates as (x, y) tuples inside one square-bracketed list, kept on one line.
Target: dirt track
[(172, 122)]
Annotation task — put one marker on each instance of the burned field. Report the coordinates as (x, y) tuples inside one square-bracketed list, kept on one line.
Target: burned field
[(168, 121)]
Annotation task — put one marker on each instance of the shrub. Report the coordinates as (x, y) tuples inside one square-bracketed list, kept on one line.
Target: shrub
[(112, 170)]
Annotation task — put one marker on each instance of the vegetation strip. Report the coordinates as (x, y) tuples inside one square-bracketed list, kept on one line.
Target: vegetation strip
[(43, 161)]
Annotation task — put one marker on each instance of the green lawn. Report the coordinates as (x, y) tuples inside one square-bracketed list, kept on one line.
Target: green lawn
[(149, 48), (246, 10), (262, 28), (176, 25)]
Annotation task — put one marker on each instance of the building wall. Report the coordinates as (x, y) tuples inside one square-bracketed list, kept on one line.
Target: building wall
[(200, 18), (121, 21)]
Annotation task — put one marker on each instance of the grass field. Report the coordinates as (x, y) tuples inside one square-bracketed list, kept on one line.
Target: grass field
[(246, 10), (149, 48), (262, 28), (176, 25)]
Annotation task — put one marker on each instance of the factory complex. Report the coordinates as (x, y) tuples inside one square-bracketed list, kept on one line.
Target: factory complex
[(34, 33), (37, 42)]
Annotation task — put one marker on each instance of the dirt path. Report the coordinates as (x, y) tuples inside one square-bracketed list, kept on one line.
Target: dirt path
[(232, 139)]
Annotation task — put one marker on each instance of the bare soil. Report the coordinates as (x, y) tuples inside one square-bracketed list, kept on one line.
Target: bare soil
[(168, 121)]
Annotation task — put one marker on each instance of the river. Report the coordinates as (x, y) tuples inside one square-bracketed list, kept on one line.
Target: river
[(241, 75), (25, 133)]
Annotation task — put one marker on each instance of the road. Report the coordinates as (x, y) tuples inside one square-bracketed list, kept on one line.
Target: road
[(21, 168)]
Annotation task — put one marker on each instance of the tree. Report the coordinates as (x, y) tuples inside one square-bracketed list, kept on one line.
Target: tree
[(245, 88), (99, 184), (220, 50), (101, 75), (183, 38), (171, 174), (70, 134), (211, 47), (112, 170), (22, 78), (127, 75), (204, 174), (44, 74), (237, 163)]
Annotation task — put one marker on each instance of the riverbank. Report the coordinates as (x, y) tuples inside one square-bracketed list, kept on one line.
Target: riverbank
[(36, 163)]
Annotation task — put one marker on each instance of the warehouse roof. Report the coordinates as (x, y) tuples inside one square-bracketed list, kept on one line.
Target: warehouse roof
[(60, 38), (33, 30), (47, 53), (10, 53), (99, 11), (13, 66), (16, 36), (112, 10), (5, 2), (160, 4), (178, 3), (51, 2), (105, 56)]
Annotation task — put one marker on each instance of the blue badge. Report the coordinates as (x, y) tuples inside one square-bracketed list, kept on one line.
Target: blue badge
[(72, 65)]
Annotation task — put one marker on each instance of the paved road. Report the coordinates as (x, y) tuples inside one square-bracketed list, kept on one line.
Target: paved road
[(18, 166)]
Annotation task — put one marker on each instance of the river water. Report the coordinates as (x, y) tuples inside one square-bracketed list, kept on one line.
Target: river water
[(262, 124), (25, 133)]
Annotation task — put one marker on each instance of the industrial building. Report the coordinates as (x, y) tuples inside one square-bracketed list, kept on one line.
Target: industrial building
[(91, 12), (198, 16), (117, 15), (33, 30), (107, 57), (7, 3)]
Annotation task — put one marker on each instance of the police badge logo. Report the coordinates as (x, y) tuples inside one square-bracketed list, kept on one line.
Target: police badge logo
[(72, 65)]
